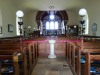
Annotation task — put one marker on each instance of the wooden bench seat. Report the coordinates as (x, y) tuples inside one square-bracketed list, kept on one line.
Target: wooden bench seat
[(8, 47), (91, 48), (75, 51), (8, 61), (89, 58), (8, 52), (28, 50)]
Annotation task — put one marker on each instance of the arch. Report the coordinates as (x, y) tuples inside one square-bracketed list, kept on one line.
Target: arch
[(41, 14)]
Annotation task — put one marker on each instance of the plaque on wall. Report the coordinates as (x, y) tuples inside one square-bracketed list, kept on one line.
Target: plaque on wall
[(94, 27)]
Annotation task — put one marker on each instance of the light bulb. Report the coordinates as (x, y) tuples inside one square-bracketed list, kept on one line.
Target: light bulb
[(82, 12), (19, 13)]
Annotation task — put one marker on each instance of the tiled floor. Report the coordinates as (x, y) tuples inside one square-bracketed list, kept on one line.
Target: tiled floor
[(47, 66)]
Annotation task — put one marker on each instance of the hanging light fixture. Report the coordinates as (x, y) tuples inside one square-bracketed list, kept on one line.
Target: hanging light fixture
[(52, 15)]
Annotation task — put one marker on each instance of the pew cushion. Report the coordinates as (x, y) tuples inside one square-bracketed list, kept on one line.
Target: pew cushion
[(92, 62), (82, 59), (95, 70), (92, 69), (7, 70), (6, 61), (9, 61)]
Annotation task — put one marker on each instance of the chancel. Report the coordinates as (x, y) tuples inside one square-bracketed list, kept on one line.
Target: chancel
[(49, 37)]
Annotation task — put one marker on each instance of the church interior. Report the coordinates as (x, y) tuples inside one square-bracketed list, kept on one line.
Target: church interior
[(49, 37)]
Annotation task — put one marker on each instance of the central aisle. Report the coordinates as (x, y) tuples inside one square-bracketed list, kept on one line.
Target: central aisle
[(46, 66)]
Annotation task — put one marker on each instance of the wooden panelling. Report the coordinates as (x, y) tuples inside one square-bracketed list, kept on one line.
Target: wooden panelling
[(60, 48), (44, 48)]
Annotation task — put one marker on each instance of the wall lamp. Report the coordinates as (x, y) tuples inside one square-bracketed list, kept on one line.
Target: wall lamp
[(20, 15), (82, 13)]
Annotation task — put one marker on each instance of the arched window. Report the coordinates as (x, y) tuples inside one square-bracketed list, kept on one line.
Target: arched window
[(47, 25), (56, 25), (51, 25)]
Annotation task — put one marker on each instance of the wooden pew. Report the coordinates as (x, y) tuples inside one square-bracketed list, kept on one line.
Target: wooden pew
[(79, 47), (89, 47), (32, 55), (89, 58), (71, 56), (83, 46), (8, 47), (14, 59), (29, 51)]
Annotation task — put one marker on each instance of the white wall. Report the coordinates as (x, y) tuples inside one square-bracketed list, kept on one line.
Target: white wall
[(93, 10), (30, 20), (73, 18), (8, 11)]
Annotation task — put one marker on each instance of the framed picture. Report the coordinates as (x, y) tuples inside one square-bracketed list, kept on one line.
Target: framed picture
[(10, 28), (94, 27), (0, 30)]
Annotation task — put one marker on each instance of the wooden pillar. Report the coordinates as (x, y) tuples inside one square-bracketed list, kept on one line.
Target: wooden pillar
[(87, 64), (25, 63), (16, 64), (73, 57), (78, 62), (30, 57)]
